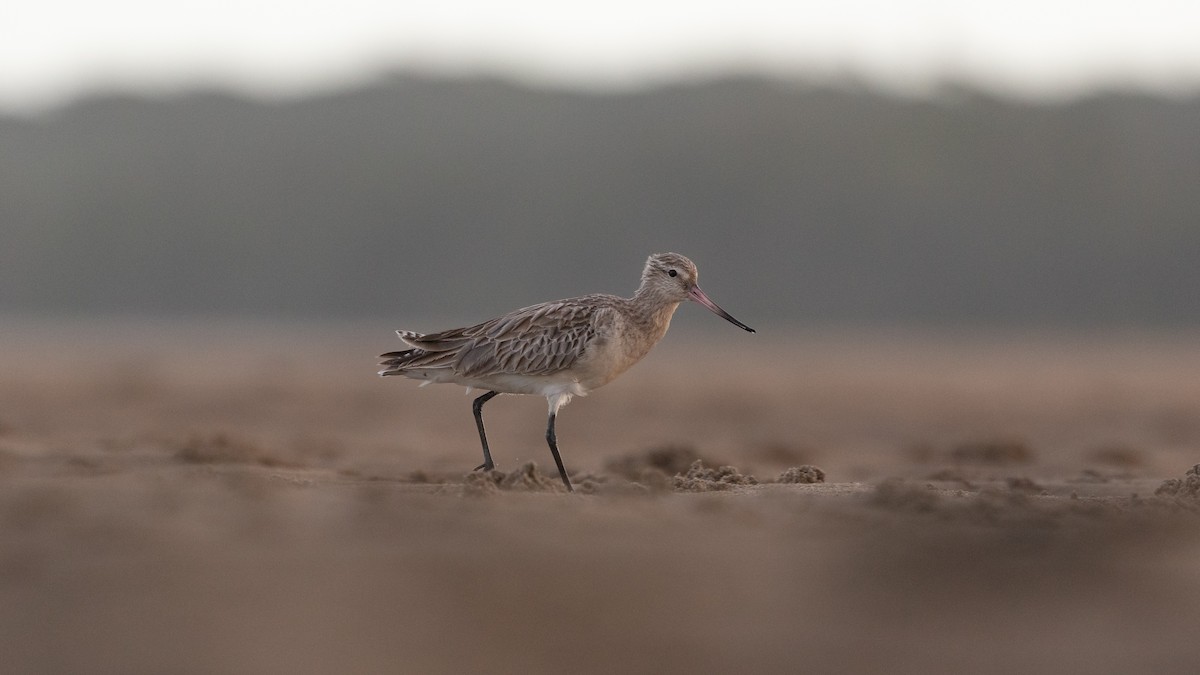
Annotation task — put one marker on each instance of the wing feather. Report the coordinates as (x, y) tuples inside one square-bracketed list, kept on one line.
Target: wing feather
[(536, 340)]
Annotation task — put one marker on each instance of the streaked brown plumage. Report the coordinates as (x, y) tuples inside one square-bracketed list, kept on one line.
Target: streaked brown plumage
[(555, 349)]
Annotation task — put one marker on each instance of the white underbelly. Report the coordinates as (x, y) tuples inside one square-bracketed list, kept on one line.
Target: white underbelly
[(510, 383)]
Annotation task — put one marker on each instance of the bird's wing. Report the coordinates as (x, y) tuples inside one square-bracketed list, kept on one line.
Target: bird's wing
[(537, 340)]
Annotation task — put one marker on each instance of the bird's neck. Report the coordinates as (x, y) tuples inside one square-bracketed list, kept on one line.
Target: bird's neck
[(651, 312)]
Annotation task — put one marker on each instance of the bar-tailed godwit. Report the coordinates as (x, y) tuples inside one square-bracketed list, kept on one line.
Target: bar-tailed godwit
[(556, 349)]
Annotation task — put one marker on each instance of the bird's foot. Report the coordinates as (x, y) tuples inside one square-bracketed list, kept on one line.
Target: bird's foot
[(486, 466)]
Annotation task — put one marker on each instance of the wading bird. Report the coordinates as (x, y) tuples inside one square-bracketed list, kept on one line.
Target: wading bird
[(556, 349)]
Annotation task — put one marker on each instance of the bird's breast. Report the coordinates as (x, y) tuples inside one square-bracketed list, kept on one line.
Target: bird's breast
[(615, 350)]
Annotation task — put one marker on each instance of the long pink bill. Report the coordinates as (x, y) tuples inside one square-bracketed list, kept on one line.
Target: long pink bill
[(699, 296)]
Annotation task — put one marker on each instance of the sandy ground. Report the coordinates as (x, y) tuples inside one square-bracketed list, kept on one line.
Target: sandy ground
[(220, 498)]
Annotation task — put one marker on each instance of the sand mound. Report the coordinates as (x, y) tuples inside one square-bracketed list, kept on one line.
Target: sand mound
[(1187, 487), (700, 478), (524, 478), (802, 474)]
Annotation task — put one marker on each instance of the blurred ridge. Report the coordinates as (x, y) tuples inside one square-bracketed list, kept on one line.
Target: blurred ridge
[(422, 197)]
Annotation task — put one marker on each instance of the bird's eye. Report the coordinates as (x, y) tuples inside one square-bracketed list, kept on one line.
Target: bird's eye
[(672, 272)]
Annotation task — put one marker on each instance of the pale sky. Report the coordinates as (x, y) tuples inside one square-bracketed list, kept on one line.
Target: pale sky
[(52, 50)]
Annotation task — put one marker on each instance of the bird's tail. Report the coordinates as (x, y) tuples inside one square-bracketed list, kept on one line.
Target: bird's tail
[(422, 362), (394, 363)]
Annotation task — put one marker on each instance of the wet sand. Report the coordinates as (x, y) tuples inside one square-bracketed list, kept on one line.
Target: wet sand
[(199, 498)]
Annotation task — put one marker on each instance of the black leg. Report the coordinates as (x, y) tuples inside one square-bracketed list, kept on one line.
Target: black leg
[(477, 406), (554, 450)]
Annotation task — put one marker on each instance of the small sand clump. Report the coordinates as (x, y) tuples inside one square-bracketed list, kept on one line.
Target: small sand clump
[(802, 474), (700, 478), (1187, 487), (524, 478)]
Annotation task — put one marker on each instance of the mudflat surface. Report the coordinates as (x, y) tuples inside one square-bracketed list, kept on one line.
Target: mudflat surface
[(212, 497)]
